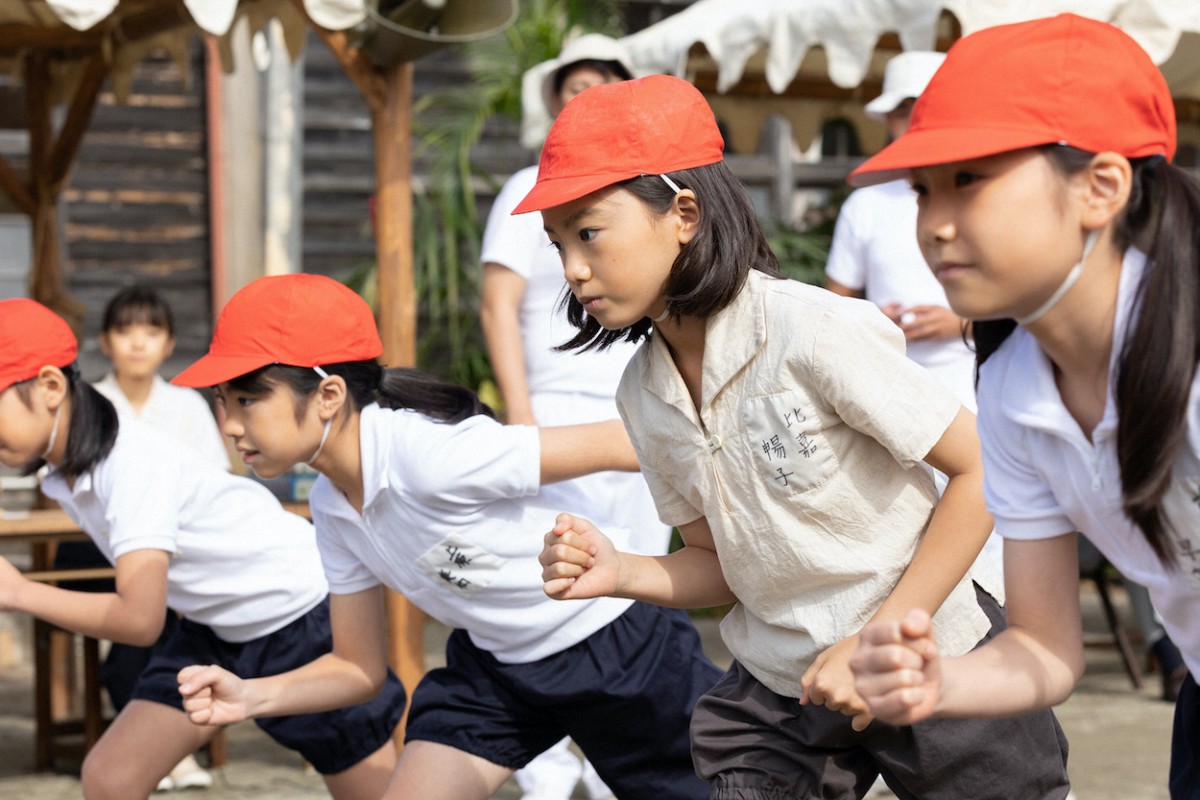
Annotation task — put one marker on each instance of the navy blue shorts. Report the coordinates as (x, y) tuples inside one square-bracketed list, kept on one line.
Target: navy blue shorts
[(1185, 743), (625, 695), (331, 741)]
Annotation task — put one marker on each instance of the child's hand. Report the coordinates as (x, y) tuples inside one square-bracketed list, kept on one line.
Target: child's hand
[(830, 683), (929, 322), (212, 696), (578, 560), (898, 670)]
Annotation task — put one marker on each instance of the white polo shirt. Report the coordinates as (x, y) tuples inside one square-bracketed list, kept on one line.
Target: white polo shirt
[(450, 522), (176, 410), (806, 460), (1043, 478), (240, 563)]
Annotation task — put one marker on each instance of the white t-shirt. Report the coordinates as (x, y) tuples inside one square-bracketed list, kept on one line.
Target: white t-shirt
[(806, 460), (240, 563), (568, 388), (176, 410), (450, 521), (1043, 478), (875, 249)]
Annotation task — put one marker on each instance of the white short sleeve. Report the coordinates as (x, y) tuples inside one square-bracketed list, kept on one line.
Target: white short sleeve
[(847, 263), (514, 241)]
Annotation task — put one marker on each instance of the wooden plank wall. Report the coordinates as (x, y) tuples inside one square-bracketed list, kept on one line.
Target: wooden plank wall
[(136, 207)]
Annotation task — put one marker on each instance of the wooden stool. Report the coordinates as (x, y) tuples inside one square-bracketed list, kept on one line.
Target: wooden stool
[(69, 713)]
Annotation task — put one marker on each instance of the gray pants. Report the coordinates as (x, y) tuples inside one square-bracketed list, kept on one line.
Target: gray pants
[(753, 744)]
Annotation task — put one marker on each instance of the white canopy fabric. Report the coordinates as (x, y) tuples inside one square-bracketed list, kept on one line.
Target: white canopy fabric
[(732, 31), (212, 16)]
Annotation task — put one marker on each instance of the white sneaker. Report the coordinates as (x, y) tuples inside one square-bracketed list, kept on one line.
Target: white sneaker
[(187, 774)]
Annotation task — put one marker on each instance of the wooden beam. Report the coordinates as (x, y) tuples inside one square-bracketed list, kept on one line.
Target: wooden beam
[(15, 187), (397, 307), (83, 103), (356, 66)]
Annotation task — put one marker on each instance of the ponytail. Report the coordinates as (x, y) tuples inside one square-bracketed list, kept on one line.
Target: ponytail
[(366, 383), (1159, 354), (91, 431)]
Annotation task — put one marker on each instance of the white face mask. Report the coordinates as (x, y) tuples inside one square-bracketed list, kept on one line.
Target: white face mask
[(53, 432), (1067, 283), (325, 433)]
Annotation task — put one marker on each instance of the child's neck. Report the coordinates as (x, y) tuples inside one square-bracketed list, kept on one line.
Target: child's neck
[(136, 389), (685, 341), (341, 461)]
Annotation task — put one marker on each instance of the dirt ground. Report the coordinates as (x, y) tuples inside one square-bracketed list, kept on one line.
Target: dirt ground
[(1119, 736)]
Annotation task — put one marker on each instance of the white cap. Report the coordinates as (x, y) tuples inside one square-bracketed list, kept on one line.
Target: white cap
[(906, 75), (588, 47)]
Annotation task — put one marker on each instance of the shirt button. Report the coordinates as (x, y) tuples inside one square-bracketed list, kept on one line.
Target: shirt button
[(714, 443)]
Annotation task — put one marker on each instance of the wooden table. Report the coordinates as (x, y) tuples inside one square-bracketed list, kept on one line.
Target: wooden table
[(58, 687)]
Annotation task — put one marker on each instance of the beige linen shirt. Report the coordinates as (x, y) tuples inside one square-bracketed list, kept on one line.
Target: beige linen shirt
[(806, 460)]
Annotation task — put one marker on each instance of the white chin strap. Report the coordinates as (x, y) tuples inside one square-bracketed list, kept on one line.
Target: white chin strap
[(1067, 283), (53, 432), (328, 422)]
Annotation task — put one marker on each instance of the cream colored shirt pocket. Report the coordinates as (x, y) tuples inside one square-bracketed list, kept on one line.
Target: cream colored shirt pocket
[(788, 449)]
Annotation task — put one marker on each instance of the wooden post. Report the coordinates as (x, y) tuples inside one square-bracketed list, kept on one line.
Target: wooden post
[(391, 123)]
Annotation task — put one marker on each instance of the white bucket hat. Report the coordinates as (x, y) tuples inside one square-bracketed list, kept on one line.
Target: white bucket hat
[(906, 75), (588, 47), (538, 101)]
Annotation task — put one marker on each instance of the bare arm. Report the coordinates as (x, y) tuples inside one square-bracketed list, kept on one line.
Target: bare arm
[(133, 614), (841, 288), (569, 451), (1033, 664), (499, 315), (579, 561), (352, 673), (956, 533)]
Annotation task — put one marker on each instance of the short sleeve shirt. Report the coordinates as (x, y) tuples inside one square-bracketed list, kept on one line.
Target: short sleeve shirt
[(451, 521), (1043, 478), (806, 460), (519, 243), (239, 562)]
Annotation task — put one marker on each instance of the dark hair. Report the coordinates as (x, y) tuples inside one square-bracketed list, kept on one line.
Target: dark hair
[(367, 382), (91, 432), (1158, 356), (609, 69), (710, 269), (138, 304)]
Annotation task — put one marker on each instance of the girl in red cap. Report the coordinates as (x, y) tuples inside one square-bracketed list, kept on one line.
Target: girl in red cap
[(785, 433), (1052, 217), (422, 491), (243, 574)]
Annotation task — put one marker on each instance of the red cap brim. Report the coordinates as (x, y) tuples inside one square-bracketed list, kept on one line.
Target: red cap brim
[(211, 370), (918, 148), (556, 191)]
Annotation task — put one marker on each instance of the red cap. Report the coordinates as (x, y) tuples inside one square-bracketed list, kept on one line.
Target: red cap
[(31, 337), (1060, 80), (298, 320), (612, 132)]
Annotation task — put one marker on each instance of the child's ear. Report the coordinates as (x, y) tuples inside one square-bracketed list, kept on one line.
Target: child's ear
[(169, 347), (331, 396), (53, 384), (105, 345), (688, 209), (1109, 182)]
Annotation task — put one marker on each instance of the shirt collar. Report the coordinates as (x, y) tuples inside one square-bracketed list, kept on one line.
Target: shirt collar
[(733, 336), (375, 445), (1031, 395)]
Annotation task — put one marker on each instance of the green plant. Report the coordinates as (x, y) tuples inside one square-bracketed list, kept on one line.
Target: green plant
[(446, 222)]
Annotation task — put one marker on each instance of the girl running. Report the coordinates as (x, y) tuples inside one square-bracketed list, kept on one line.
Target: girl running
[(243, 574), (421, 490), (1051, 215), (785, 433)]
